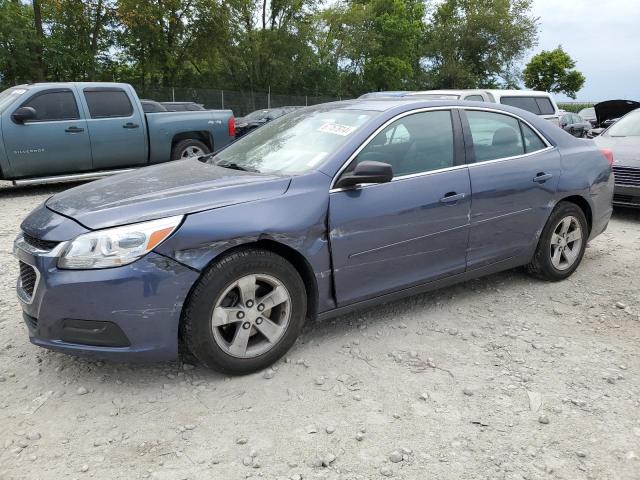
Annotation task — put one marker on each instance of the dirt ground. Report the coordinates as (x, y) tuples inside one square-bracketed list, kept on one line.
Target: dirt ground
[(505, 377)]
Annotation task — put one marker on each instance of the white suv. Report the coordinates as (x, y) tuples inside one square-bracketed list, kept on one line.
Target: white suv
[(540, 103)]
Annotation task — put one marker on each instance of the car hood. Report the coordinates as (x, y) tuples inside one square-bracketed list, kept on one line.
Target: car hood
[(174, 188), (626, 150), (613, 109)]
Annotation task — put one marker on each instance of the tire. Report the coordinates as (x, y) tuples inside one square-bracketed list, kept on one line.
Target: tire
[(549, 264), (217, 298), (189, 148)]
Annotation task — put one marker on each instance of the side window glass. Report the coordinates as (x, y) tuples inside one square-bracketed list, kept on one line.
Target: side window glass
[(532, 142), (494, 135), (52, 106), (417, 143), (108, 103)]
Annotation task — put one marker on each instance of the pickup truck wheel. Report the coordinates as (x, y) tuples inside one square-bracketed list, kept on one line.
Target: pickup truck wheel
[(188, 148), (245, 312)]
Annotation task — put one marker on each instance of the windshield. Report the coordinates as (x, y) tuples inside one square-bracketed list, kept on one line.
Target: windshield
[(627, 126), (587, 112), (8, 96), (294, 143)]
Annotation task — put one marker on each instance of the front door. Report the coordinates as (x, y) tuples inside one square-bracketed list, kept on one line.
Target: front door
[(56, 141), (117, 129), (414, 229), (514, 179)]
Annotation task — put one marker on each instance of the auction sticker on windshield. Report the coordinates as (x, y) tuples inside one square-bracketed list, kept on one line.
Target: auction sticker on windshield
[(337, 129)]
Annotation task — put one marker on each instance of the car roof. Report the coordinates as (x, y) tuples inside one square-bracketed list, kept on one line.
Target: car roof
[(71, 84)]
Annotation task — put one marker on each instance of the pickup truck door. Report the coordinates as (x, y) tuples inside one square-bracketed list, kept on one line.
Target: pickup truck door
[(116, 127), (55, 142)]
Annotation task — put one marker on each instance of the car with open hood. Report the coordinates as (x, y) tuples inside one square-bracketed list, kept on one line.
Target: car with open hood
[(326, 210), (609, 112), (623, 139)]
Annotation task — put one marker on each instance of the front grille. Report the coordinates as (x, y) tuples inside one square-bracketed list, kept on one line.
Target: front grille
[(46, 245), (626, 176), (28, 277), (626, 199)]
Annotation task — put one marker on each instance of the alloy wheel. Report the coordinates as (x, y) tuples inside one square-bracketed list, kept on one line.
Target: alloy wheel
[(566, 243), (192, 151), (251, 315)]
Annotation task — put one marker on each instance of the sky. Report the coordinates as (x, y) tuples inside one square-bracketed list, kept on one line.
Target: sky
[(602, 36)]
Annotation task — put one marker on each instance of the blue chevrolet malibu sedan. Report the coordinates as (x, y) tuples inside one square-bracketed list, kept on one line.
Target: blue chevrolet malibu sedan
[(329, 209)]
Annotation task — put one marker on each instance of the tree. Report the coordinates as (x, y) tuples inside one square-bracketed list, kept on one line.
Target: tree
[(478, 43), (553, 71), (379, 42)]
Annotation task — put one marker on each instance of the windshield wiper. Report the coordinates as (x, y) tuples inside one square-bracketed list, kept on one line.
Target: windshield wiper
[(234, 166)]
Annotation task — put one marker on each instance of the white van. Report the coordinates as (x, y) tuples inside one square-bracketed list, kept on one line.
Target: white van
[(540, 103)]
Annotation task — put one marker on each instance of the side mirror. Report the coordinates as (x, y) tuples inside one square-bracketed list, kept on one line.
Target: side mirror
[(24, 114), (366, 172)]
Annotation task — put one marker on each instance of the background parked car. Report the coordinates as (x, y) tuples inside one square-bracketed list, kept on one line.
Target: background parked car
[(589, 114), (539, 103), (574, 124), (609, 112), (259, 117), (63, 131), (151, 106), (623, 139), (183, 106), (384, 94)]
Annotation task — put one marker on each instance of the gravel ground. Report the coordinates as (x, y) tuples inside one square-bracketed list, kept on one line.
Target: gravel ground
[(504, 377)]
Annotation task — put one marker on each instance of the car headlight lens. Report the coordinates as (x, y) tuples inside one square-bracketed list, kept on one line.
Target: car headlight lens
[(118, 246)]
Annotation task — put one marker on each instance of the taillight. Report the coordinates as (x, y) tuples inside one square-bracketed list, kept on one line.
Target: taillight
[(608, 154), (232, 127)]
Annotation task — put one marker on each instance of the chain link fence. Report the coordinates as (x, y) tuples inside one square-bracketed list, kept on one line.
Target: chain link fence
[(240, 102)]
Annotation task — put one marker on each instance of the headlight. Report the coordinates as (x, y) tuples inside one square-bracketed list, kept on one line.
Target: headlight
[(116, 246)]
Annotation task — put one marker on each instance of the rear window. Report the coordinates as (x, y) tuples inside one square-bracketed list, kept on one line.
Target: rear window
[(108, 103), (537, 105)]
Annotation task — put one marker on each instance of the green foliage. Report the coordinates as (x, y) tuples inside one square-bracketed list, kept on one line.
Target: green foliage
[(478, 43), (553, 71), (338, 47), (574, 107)]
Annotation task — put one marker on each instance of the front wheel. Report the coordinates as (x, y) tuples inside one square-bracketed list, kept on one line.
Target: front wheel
[(562, 243), (245, 312)]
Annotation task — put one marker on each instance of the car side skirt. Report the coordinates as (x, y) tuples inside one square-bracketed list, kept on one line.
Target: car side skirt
[(506, 264)]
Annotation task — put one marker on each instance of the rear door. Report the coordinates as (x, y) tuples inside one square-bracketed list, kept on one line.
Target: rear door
[(514, 176), (412, 230), (116, 128), (55, 142)]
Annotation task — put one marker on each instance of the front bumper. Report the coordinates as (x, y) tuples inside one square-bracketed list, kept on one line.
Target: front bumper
[(626, 196), (129, 313)]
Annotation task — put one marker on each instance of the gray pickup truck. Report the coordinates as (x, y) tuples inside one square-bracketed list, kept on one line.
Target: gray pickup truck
[(63, 131)]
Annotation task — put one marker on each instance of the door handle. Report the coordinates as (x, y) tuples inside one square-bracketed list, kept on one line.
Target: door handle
[(74, 130), (130, 125), (542, 177), (452, 197)]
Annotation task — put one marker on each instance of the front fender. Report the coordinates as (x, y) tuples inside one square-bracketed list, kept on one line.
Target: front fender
[(296, 220)]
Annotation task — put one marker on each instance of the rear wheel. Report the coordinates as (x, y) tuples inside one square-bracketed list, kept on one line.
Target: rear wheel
[(562, 243), (189, 148), (245, 312)]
